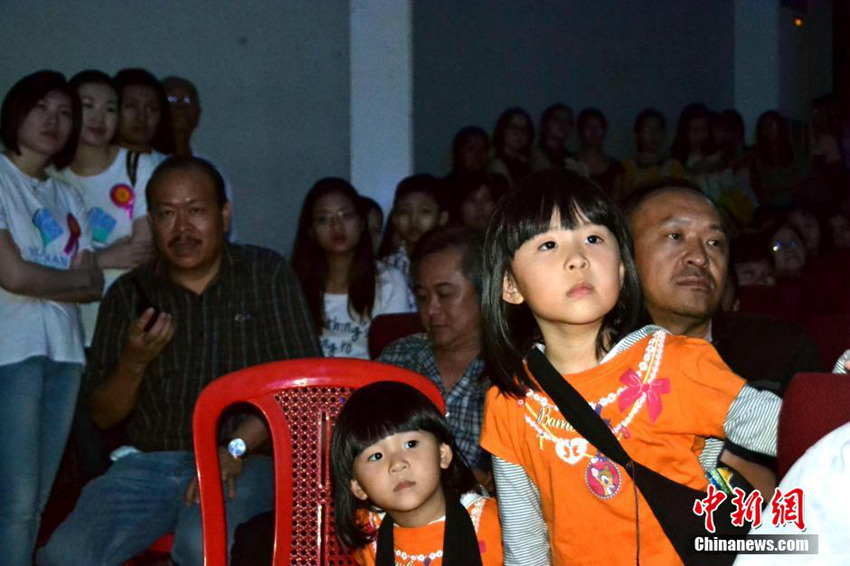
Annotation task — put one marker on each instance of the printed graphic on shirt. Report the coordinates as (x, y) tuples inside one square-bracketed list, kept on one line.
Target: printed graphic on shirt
[(74, 233), (47, 226), (123, 197), (602, 477), (340, 336), (102, 224)]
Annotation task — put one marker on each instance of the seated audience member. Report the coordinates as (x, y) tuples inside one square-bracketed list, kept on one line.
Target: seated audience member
[(185, 110), (591, 160), (112, 185), (344, 285), (470, 152), (204, 308), (556, 126), (789, 252), (46, 268), (839, 226), (374, 222), (652, 162), (512, 140), (418, 207), (828, 186), (144, 125), (474, 198), (778, 176), (704, 165), (447, 281), (682, 256)]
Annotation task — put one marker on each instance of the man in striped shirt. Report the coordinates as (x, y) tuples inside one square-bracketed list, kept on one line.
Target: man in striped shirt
[(204, 308)]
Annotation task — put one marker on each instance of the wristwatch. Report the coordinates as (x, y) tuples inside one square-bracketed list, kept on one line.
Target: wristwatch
[(237, 448)]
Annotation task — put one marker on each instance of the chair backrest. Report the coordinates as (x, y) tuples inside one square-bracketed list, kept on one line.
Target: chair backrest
[(387, 328), (300, 400), (814, 405)]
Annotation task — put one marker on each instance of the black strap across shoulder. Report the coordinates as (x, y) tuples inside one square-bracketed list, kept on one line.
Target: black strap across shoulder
[(671, 502)]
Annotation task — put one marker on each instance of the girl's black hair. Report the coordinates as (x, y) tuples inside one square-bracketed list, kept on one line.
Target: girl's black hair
[(510, 330), (92, 76), (649, 114), (681, 144), (24, 96), (785, 154), (372, 413), (310, 262)]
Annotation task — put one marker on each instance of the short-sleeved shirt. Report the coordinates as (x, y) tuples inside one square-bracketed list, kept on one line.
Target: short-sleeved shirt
[(252, 312), (345, 335), (587, 500), (113, 202), (46, 221), (464, 401), (418, 546)]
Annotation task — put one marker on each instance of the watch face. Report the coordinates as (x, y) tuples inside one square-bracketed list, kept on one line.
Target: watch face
[(237, 448)]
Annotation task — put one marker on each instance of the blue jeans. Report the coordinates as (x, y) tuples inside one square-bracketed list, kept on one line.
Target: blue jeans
[(37, 398), (140, 499)]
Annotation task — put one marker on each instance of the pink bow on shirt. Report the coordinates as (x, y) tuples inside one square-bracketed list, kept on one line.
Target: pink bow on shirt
[(635, 390)]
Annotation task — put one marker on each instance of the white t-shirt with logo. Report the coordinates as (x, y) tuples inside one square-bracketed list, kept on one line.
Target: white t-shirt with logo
[(344, 335), (112, 203), (47, 222)]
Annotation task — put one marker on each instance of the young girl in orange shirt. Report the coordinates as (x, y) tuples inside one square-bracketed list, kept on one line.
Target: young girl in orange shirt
[(402, 492), (559, 275)]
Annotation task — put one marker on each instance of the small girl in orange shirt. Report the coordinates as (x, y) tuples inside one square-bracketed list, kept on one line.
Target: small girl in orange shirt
[(559, 275), (402, 492)]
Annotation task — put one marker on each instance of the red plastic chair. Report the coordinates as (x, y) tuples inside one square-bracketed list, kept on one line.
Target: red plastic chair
[(300, 400), (814, 405), (387, 328)]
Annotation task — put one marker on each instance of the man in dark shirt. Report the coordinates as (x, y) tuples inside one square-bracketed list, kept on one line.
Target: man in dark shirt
[(204, 308), (682, 257)]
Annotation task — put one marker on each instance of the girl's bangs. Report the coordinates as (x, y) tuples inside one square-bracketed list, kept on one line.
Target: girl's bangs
[(577, 203)]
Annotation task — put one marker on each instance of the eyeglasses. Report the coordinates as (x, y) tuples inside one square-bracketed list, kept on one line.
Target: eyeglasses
[(184, 100), (784, 246)]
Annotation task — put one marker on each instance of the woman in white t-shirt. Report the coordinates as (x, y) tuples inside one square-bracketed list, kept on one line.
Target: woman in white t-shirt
[(334, 260), (47, 267), (112, 182)]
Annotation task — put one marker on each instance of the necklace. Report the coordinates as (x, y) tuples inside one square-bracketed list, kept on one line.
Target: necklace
[(424, 558), (638, 385)]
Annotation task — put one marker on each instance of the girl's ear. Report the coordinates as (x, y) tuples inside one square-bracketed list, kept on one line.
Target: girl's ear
[(510, 292), (358, 491), (446, 456), (622, 274)]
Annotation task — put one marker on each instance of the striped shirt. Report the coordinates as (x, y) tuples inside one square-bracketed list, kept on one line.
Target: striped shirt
[(252, 312), (464, 401)]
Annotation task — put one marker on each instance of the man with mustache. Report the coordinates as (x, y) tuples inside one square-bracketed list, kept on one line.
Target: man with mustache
[(202, 309), (682, 257)]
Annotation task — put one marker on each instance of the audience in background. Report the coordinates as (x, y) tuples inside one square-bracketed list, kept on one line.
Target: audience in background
[(334, 260), (418, 206), (244, 307), (652, 161), (474, 198), (512, 141), (112, 182), (778, 176), (446, 267), (47, 267), (470, 152), (374, 222), (556, 126), (591, 160), (144, 125)]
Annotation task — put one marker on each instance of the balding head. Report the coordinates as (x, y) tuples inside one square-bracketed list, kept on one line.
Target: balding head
[(682, 256), (184, 104)]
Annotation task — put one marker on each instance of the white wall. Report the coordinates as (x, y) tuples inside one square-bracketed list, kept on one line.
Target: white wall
[(273, 79), (474, 58)]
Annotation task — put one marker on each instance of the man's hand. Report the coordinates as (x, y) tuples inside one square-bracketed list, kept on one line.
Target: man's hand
[(231, 468), (144, 346)]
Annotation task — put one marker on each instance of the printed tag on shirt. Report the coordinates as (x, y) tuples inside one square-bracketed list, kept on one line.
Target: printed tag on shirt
[(101, 223), (47, 226)]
